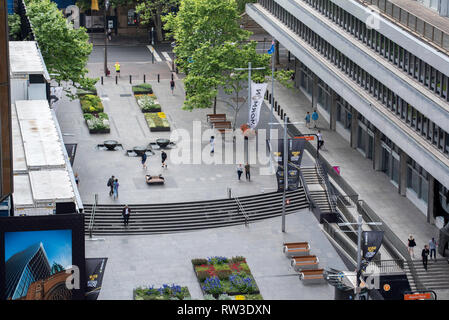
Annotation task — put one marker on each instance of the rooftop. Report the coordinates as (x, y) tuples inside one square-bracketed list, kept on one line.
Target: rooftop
[(25, 58)]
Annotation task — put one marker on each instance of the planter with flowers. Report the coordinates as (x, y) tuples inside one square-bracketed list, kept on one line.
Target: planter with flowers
[(220, 275), (157, 121), (148, 103), (166, 292)]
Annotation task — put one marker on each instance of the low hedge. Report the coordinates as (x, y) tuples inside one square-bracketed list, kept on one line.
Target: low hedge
[(142, 88), (166, 292)]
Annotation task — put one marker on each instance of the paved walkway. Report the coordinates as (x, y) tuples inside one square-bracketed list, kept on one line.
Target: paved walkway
[(372, 186), (157, 259)]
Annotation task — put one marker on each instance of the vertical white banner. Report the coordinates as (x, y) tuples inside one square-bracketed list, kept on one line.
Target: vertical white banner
[(257, 94)]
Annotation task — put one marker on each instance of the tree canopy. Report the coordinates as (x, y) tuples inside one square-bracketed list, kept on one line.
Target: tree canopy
[(65, 50), (153, 10)]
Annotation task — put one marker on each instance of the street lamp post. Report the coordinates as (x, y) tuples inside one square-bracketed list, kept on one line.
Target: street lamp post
[(359, 225), (106, 7)]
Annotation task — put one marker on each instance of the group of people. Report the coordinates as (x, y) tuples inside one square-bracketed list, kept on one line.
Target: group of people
[(313, 119), (163, 159), (428, 250), (247, 171), (113, 187)]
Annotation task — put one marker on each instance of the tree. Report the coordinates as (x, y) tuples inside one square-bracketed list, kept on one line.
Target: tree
[(14, 26), (209, 46), (65, 50), (153, 10)]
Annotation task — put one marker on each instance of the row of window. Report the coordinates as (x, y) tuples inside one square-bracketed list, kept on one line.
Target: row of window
[(431, 78), (403, 110)]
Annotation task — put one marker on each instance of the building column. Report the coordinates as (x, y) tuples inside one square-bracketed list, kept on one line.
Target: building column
[(315, 92), (402, 173), (276, 52), (333, 112), (354, 127), (431, 200), (377, 156), (297, 73)]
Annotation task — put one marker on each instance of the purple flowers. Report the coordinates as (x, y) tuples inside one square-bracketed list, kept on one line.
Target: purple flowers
[(217, 260), (212, 285), (243, 283)]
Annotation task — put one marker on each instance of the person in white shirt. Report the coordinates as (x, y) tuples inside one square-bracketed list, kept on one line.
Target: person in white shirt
[(320, 140)]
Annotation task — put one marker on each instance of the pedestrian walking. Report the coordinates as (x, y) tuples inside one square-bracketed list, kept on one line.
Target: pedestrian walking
[(163, 158), (411, 246), (77, 179), (212, 140), (115, 188), (424, 255), (247, 172), (307, 118), (144, 159), (433, 249), (239, 170), (117, 69), (109, 34), (111, 185), (320, 140), (125, 213), (314, 118), (172, 85)]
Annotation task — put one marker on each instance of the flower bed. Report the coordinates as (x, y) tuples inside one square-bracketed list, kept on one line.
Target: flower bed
[(220, 275), (91, 104), (142, 88), (166, 292), (157, 121), (148, 103), (82, 92), (97, 123)]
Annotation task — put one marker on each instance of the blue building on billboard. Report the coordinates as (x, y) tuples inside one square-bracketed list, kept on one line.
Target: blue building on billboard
[(24, 268), (10, 4)]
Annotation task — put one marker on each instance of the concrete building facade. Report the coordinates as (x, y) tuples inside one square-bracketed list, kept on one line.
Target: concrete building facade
[(379, 86)]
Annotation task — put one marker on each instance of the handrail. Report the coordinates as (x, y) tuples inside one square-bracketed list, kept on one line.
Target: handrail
[(390, 13), (331, 197), (92, 215), (241, 210)]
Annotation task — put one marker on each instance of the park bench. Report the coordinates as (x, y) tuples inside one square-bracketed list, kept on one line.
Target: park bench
[(305, 263), (222, 126), (296, 249), (154, 179), (216, 117), (312, 276)]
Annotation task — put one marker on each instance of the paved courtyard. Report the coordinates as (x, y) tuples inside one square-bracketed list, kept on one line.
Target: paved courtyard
[(157, 259)]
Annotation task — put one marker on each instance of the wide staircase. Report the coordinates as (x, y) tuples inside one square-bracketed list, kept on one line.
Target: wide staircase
[(317, 189), (190, 216), (436, 277)]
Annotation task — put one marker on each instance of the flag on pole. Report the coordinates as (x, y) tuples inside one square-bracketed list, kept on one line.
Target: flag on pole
[(94, 5), (271, 50)]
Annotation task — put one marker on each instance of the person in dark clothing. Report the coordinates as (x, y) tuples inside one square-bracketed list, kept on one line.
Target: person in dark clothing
[(425, 255), (411, 246), (125, 213), (111, 185), (239, 171), (163, 158), (247, 172), (172, 86), (144, 159)]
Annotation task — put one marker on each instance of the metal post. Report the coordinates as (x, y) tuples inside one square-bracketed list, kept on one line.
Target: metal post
[(285, 173), (130, 79), (359, 253), (272, 103), (158, 77), (101, 80), (106, 7), (152, 57), (116, 79), (144, 78)]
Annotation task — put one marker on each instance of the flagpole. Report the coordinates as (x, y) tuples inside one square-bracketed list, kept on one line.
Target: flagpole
[(272, 100)]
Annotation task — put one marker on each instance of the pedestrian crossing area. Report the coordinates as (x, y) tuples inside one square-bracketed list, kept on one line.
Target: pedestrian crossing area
[(160, 56)]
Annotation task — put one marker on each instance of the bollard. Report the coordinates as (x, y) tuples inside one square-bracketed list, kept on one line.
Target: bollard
[(116, 79), (130, 79), (172, 76), (269, 98), (176, 70), (158, 77), (276, 108), (275, 104), (144, 78), (229, 193), (172, 66), (282, 114), (101, 80)]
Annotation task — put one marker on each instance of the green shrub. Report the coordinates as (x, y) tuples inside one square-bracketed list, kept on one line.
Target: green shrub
[(91, 104), (88, 116), (222, 267), (199, 262), (238, 259), (142, 88), (245, 268), (103, 116)]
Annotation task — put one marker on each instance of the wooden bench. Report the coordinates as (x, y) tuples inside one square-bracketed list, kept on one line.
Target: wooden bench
[(312, 276), (305, 263), (216, 117), (222, 126), (154, 179), (292, 249)]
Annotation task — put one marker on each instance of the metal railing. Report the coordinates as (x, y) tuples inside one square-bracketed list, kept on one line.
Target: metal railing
[(324, 181), (92, 215), (388, 266), (241, 210), (414, 24)]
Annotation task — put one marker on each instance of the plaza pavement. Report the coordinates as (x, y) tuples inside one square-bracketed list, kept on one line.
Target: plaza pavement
[(158, 259)]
